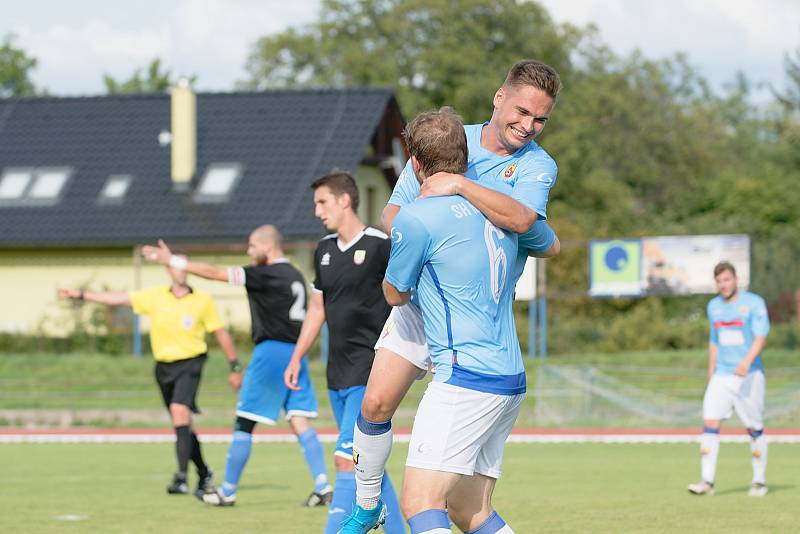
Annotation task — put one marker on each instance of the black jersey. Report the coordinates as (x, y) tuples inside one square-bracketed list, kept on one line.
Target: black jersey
[(277, 296), (350, 276)]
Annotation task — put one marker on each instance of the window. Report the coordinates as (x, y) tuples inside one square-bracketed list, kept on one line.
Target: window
[(115, 188), (41, 186), (218, 182), (48, 184), (14, 183)]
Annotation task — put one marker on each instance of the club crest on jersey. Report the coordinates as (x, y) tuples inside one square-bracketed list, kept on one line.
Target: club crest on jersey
[(510, 170), (326, 259), (359, 256), (743, 309)]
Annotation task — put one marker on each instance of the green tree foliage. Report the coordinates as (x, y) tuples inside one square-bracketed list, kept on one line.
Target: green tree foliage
[(644, 146), (152, 80), (15, 70)]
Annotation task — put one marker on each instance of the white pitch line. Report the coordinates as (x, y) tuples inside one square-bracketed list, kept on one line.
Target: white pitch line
[(402, 438)]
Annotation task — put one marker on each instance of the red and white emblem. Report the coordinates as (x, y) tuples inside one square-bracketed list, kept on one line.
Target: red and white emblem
[(359, 256), (509, 172)]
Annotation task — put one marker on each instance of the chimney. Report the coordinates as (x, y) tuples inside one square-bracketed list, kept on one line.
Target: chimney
[(184, 134)]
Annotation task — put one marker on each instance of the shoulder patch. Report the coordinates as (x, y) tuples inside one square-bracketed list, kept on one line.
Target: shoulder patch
[(374, 232)]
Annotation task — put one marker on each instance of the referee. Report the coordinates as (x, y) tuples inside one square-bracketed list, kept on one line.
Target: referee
[(180, 317), (276, 292), (349, 266)]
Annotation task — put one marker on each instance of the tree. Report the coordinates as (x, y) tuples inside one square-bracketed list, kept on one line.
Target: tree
[(154, 81), (433, 52), (15, 68)]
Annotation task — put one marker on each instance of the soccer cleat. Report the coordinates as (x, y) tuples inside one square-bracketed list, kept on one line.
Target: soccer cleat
[(178, 486), (216, 497), (362, 521), (320, 498), (757, 490), (205, 484), (701, 488)]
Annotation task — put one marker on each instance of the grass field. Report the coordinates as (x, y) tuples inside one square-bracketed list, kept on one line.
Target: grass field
[(546, 488), (102, 390)]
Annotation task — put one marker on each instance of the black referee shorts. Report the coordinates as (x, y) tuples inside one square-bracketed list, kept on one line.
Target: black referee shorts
[(180, 380)]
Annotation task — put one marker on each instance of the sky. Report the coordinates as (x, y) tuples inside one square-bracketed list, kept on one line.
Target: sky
[(77, 42)]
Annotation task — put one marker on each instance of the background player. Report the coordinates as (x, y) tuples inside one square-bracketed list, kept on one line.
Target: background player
[(180, 316), (739, 327), (469, 408), (504, 149), (349, 267), (276, 291)]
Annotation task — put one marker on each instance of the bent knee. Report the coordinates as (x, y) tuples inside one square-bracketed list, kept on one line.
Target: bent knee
[(376, 407)]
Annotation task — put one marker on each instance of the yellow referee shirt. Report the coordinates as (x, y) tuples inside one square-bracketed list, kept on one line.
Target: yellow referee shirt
[(178, 326)]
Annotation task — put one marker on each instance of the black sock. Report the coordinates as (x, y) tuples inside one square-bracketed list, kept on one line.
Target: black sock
[(183, 447), (197, 457)]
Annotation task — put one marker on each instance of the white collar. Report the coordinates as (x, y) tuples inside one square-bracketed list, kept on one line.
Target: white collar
[(344, 246)]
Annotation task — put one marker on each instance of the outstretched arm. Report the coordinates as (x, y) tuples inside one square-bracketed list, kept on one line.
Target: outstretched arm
[(312, 324), (109, 298), (163, 255), (502, 210)]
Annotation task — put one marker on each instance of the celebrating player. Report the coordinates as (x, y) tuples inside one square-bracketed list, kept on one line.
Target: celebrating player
[(180, 316), (739, 328), (276, 292), (468, 410), (349, 267), (504, 149)]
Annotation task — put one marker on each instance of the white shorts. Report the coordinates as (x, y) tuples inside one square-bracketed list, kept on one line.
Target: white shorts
[(726, 393), (459, 430), (404, 334)]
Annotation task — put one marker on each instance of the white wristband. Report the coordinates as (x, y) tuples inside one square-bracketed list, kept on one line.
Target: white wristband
[(178, 262)]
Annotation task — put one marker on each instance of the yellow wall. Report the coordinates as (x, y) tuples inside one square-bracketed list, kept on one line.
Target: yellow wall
[(29, 278)]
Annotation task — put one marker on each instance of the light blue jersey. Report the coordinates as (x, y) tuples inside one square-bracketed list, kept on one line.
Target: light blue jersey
[(464, 270), (733, 327), (530, 171)]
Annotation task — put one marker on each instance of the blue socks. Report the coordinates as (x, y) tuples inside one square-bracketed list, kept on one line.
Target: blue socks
[(238, 454), (315, 458), (430, 521), (344, 496), (492, 525)]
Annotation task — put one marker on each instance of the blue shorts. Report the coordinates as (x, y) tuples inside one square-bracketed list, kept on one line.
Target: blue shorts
[(263, 391), (346, 405)]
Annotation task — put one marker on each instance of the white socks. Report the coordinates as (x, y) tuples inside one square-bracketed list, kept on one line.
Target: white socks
[(758, 447), (372, 444), (709, 450)]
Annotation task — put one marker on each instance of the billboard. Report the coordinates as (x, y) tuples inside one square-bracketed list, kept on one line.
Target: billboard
[(667, 265)]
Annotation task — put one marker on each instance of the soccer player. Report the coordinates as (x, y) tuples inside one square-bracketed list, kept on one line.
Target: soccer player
[(463, 269), (180, 316), (739, 328), (276, 291), (504, 148), (349, 267)]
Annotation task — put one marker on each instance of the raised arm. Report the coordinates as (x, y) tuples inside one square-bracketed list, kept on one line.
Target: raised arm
[(312, 324), (502, 210), (162, 254), (109, 298)]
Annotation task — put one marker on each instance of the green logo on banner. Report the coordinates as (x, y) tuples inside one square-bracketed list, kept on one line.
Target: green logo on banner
[(615, 267)]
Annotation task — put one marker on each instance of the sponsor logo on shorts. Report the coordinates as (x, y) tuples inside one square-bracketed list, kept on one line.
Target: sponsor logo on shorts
[(326, 259), (422, 448), (509, 172), (346, 445), (359, 257), (387, 328)]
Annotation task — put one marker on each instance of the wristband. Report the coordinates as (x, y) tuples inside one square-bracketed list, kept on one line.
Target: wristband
[(235, 365), (178, 262)]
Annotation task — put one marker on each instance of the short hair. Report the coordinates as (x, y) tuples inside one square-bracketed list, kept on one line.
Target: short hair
[(340, 183), (723, 266), (438, 141), (268, 232), (536, 74)]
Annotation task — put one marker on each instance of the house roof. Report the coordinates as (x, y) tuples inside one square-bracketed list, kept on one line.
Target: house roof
[(283, 139)]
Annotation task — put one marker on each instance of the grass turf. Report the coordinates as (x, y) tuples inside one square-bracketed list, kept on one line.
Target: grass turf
[(546, 488)]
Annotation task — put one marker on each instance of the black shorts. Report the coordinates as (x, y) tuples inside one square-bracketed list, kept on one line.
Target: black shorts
[(179, 381)]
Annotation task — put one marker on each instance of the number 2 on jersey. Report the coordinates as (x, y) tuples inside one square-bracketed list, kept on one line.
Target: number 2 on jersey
[(298, 310)]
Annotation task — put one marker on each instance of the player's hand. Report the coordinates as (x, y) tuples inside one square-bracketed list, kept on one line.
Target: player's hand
[(742, 368), (235, 380), (441, 184), (66, 293), (160, 254), (291, 374)]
